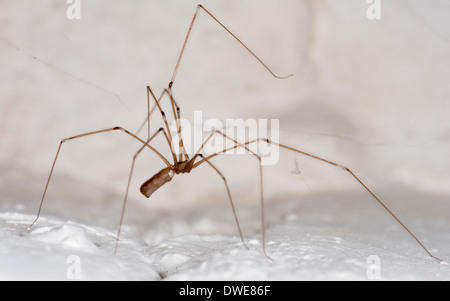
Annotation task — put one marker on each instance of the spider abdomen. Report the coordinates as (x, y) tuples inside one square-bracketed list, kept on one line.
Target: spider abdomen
[(158, 180)]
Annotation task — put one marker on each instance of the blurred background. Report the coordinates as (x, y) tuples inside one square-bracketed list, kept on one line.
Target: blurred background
[(372, 95)]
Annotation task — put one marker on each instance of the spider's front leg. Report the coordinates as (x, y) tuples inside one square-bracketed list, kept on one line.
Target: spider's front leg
[(160, 130), (114, 129)]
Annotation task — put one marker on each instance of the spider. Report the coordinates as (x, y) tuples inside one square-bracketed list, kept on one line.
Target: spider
[(185, 164)]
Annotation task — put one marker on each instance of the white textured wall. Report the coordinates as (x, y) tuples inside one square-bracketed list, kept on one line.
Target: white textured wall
[(369, 94)]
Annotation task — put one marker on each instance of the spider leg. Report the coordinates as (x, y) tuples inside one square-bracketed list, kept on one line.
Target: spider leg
[(176, 114), (163, 115), (117, 128), (229, 197), (129, 181), (229, 32), (330, 163), (237, 144), (150, 112)]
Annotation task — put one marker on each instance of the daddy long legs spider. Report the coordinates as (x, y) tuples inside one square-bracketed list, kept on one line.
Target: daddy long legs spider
[(183, 163)]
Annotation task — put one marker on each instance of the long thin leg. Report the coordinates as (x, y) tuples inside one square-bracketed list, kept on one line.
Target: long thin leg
[(150, 92), (179, 61), (149, 113), (176, 115), (229, 197), (334, 164), (224, 27), (117, 128), (129, 181), (237, 144)]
